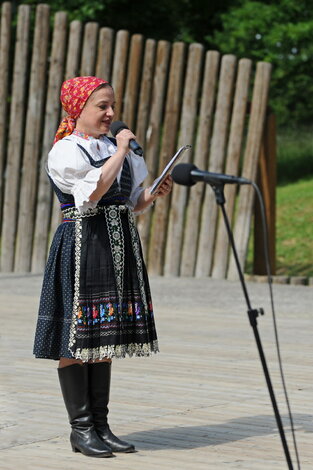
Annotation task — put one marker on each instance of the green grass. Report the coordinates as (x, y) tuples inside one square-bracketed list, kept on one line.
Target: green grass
[(294, 229), (294, 216), (294, 204)]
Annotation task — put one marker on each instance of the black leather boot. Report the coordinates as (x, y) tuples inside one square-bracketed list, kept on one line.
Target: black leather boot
[(99, 390), (74, 386)]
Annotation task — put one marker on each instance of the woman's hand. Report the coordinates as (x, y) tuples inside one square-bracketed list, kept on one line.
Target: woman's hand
[(112, 166), (122, 140), (146, 198), (165, 188)]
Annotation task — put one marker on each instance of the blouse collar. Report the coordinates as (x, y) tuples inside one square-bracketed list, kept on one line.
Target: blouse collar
[(83, 135)]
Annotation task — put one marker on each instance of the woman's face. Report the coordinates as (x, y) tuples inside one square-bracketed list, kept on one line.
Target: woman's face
[(97, 114)]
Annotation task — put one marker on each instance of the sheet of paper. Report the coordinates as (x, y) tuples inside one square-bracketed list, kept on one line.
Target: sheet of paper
[(157, 182)]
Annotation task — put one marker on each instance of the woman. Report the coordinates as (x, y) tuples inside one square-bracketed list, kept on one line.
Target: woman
[(95, 302)]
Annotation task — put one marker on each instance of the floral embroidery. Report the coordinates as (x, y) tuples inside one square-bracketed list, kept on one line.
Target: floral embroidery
[(83, 135), (102, 312), (108, 312)]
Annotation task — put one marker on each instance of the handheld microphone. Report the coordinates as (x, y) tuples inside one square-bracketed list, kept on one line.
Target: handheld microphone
[(118, 126), (188, 174)]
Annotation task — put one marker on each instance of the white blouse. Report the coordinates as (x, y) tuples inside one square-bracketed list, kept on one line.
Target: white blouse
[(72, 173)]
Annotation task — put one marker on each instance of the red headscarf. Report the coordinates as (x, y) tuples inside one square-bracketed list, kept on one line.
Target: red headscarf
[(74, 94)]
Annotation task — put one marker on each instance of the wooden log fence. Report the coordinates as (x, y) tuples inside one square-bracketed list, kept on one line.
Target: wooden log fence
[(209, 211), (5, 50), (234, 149), (171, 95)]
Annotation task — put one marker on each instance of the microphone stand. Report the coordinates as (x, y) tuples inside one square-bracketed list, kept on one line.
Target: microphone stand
[(218, 189)]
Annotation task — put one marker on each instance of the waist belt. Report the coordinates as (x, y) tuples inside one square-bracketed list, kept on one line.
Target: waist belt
[(70, 214)]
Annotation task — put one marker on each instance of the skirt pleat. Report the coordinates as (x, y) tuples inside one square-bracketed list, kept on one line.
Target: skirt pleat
[(107, 310)]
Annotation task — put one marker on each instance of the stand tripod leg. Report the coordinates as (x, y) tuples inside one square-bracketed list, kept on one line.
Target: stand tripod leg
[(253, 314)]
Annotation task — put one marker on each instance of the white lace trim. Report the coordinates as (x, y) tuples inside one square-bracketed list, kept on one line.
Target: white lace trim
[(78, 237), (118, 351)]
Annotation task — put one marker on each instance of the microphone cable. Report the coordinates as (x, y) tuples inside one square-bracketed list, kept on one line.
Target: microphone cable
[(269, 281)]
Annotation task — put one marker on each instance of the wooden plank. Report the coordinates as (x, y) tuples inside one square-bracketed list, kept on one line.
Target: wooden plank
[(267, 184), (216, 163), (119, 70), (168, 148), (73, 53), (146, 83), (52, 113), (89, 53), (73, 50), (36, 96), (186, 136), (201, 161), (5, 47), (15, 141), (234, 150), (133, 79), (104, 58), (251, 156), (144, 109), (154, 130)]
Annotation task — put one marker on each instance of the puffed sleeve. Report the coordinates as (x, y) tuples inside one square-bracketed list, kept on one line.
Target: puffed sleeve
[(73, 174)]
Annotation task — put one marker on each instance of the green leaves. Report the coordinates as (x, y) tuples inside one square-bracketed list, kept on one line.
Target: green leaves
[(280, 33)]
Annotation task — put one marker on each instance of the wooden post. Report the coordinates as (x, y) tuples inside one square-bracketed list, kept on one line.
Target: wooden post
[(5, 46), (144, 104), (33, 132), (174, 242), (168, 148), (73, 50), (52, 113), (267, 185), (153, 134), (119, 70), (234, 148), (143, 118), (71, 70), (133, 79), (251, 157), (89, 53), (202, 147), (16, 137), (104, 59), (216, 163)]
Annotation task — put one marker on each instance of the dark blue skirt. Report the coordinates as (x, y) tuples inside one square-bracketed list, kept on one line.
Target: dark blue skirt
[(95, 300)]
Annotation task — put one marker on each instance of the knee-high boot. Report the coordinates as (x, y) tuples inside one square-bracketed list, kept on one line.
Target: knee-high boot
[(74, 386), (99, 389)]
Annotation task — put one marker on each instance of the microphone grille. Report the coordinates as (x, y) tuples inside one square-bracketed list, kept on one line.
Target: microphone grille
[(117, 126), (181, 174)]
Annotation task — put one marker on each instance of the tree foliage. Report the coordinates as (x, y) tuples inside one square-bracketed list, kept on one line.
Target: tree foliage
[(281, 33), (187, 20), (77, 9)]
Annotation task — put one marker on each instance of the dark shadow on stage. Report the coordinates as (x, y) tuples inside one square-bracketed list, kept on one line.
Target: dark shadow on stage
[(191, 437)]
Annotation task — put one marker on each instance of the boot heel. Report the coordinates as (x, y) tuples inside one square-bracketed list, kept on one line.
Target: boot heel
[(74, 449)]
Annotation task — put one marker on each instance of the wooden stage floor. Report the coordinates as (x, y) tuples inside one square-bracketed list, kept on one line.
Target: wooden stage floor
[(202, 403)]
